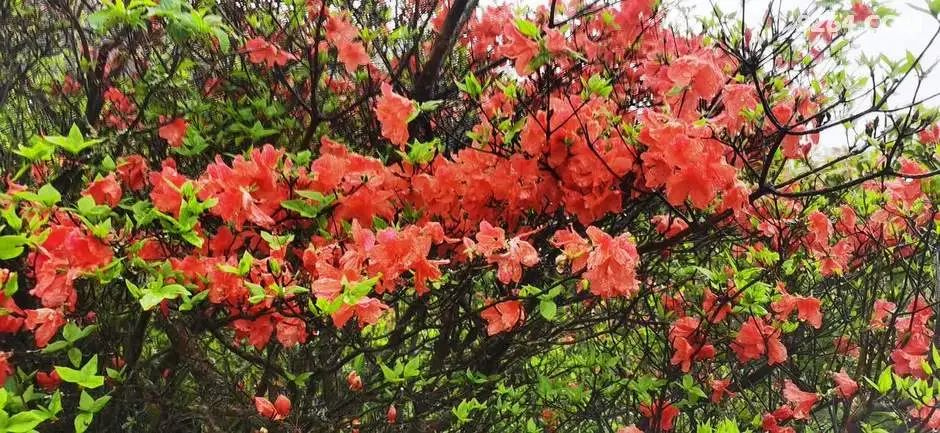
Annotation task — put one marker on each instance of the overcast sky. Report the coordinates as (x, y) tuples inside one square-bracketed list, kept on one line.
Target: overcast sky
[(910, 30)]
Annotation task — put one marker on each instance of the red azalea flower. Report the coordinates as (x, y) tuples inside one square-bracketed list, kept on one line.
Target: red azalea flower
[(661, 414), (105, 191), (394, 112), (881, 311), (276, 411), (757, 338), (6, 369), (174, 131), (354, 381), (291, 331), (800, 401), (353, 55), (846, 386), (720, 389), (45, 323), (165, 195), (261, 51), (48, 381), (11, 316), (611, 266), (503, 316), (133, 171)]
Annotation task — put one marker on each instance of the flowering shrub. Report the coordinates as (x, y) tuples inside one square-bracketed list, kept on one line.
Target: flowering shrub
[(442, 216)]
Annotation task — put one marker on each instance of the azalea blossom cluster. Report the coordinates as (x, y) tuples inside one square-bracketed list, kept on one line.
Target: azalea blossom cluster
[(625, 183), (248, 194)]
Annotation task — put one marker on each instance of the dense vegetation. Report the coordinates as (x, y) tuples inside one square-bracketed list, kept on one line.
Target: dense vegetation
[(410, 215)]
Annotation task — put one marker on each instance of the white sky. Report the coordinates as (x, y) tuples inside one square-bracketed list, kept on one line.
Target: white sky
[(910, 30)]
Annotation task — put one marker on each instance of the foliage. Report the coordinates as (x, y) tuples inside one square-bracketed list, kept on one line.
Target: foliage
[(312, 216)]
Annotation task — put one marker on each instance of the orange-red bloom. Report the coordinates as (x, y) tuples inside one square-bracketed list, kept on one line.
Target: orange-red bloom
[(394, 112), (353, 55), (503, 316), (261, 51), (48, 381), (801, 402), (757, 338), (45, 323), (174, 131), (276, 411), (846, 386), (611, 266), (661, 414), (105, 191), (354, 381)]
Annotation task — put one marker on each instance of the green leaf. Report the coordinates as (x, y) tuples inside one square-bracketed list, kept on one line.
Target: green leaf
[(71, 332), (24, 421), (108, 164), (82, 421), (54, 406), (427, 106), (277, 242), (86, 377), (420, 152), (300, 379), (153, 297), (114, 374), (306, 209), (257, 131), (11, 246), (471, 86), (75, 357), (12, 285), (389, 374), (73, 143), (412, 367), (527, 28), (244, 265), (91, 367), (353, 292), (329, 306), (548, 309), (87, 208), (193, 238), (599, 86), (191, 302), (55, 347), (48, 195), (39, 150), (257, 292), (462, 411), (87, 403), (884, 381), (728, 426), (225, 44), (12, 219)]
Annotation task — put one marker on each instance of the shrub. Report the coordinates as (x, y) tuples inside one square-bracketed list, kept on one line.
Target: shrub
[(444, 216)]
